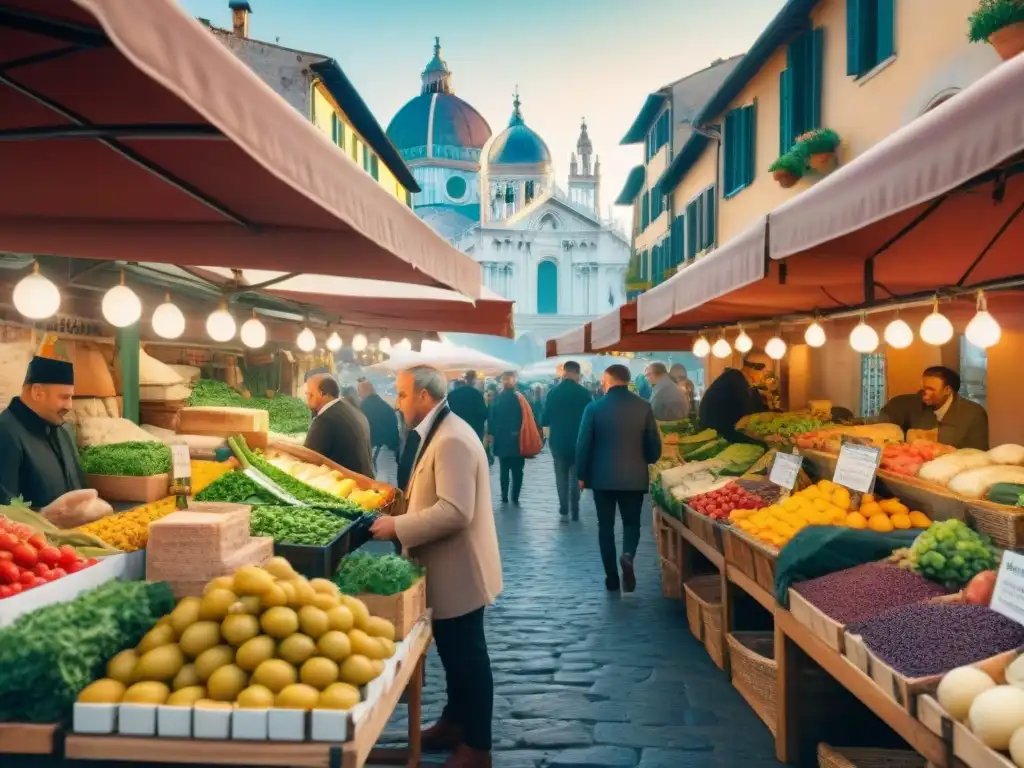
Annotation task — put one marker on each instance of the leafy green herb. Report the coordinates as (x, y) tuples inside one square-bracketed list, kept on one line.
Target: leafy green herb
[(132, 459), (234, 488), (288, 415), (992, 15), (297, 525), (362, 573), (821, 141), (48, 656), (793, 162)]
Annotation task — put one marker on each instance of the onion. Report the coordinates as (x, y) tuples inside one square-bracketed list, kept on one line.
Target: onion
[(979, 589)]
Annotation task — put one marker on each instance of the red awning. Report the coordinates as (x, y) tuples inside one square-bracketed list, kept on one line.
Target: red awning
[(127, 132)]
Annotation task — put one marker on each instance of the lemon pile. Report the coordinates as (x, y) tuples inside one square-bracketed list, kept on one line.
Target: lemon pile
[(264, 637)]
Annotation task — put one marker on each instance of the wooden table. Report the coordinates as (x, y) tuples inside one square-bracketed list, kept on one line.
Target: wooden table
[(27, 738), (352, 754)]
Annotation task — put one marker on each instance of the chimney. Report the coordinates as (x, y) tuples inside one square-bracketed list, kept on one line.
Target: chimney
[(240, 10)]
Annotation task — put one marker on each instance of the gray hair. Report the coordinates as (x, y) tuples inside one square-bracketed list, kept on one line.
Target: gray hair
[(657, 369), (430, 379)]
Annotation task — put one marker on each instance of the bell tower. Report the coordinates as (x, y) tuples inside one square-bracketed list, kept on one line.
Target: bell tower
[(584, 178)]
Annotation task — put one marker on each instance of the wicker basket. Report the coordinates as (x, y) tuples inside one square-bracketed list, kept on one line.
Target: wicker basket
[(704, 613), (754, 672), (672, 583), (1003, 523), (859, 757)]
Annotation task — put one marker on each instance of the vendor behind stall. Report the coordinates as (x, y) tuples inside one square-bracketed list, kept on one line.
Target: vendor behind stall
[(959, 422), (732, 396), (38, 459)]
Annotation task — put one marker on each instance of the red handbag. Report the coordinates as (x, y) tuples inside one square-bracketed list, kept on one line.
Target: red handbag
[(530, 442)]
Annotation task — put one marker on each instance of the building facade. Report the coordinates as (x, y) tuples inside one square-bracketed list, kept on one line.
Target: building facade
[(317, 88)]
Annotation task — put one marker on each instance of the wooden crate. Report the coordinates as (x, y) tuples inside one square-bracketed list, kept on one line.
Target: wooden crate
[(752, 558), (825, 628), (124, 488), (755, 672), (403, 610), (671, 581), (966, 747), (704, 598), (706, 529), (862, 757)]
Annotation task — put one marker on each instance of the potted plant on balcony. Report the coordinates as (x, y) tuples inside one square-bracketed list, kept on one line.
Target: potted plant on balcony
[(789, 168), (1000, 23), (820, 149)]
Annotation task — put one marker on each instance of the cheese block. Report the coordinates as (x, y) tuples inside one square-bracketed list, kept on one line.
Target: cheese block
[(257, 552), (222, 421), (184, 542)]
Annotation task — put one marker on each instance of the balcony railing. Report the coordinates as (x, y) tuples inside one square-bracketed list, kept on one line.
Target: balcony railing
[(442, 152)]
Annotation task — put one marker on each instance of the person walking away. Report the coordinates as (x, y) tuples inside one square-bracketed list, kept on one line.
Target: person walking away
[(618, 440), (339, 431), (536, 400), (467, 402), (382, 419), (350, 396), (683, 381), (668, 401), (449, 529), (563, 414), (505, 424)]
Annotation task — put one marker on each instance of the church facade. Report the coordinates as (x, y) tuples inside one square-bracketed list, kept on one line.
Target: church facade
[(496, 198)]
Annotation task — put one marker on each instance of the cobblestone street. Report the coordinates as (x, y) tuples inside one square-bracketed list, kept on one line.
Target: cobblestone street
[(585, 679)]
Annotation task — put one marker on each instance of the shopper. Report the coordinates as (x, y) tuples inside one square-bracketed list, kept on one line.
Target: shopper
[(618, 440), (505, 424), (339, 431), (683, 381), (668, 401), (449, 528), (563, 414), (382, 419), (467, 402)]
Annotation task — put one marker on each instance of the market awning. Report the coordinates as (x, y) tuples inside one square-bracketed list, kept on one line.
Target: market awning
[(127, 132), (634, 183), (573, 342), (378, 303)]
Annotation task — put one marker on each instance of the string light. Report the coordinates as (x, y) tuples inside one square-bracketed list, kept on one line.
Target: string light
[(721, 348), (35, 296), (168, 321), (815, 335), (121, 307), (743, 343), (983, 331), (936, 328), (404, 345), (306, 340), (359, 342), (220, 324), (898, 334), (864, 338), (334, 342), (701, 347), (253, 332), (384, 345), (775, 348)]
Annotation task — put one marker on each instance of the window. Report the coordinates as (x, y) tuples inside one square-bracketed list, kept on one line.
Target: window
[(872, 390), (800, 88), (657, 204), (645, 212), (375, 167), (678, 240), (456, 187), (643, 267), (529, 190), (547, 288), (355, 150), (700, 223), (336, 128), (658, 135), (366, 158), (870, 34), (739, 148)]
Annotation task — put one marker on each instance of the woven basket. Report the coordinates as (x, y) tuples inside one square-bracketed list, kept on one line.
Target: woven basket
[(1003, 523), (671, 583), (704, 613), (859, 757), (754, 672)]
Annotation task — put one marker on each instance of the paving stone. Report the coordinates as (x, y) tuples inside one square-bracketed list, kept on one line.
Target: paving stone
[(567, 706), (668, 736), (558, 735), (594, 757)]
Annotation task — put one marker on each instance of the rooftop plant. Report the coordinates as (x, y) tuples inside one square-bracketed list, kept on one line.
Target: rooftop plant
[(992, 15), (821, 141)]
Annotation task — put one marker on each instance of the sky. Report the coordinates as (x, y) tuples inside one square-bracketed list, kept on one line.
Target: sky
[(570, 58)]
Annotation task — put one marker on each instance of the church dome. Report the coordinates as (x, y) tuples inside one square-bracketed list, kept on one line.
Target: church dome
[(437, 123), (518, 144)]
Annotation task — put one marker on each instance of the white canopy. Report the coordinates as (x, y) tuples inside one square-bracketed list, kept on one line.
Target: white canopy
[(450, 359)]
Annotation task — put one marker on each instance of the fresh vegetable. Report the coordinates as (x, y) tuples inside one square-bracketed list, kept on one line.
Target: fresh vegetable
[(719, 504), (975, 483), (960, 687), (324, 478), (908, 458), (945, 468), (288, 415), (995, 714), (952, 554), (133, 459), (830, 439), (48, 656), (705, 451), (297, 525), (1010, 494), (235, 488), (739, 457), (686, 426), (361, 573), (28, 560), (698, 438), (781, 425), (979, 590), (129, 530)]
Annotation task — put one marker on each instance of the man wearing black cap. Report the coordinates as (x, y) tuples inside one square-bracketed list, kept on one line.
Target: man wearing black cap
[(38, 460)]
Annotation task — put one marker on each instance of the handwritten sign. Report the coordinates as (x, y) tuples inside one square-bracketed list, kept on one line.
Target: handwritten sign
[(181, 461), (857, 466), (785, 469), (1008, 596)]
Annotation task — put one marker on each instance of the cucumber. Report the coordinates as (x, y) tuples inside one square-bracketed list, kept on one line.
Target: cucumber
[(1010, 494)]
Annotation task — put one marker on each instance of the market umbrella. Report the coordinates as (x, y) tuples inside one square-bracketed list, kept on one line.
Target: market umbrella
[(451, 360), (128, 132)]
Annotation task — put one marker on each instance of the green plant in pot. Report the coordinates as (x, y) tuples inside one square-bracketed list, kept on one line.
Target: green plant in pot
[(820, 148), (1000, 23), (789, 168)]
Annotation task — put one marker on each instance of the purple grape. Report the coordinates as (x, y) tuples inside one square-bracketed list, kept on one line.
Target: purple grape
[(866, 590)]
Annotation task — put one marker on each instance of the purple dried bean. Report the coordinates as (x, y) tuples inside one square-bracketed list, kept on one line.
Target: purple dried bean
[(865, 591)]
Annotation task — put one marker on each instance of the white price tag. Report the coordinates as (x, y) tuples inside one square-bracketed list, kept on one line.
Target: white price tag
[(181, 461), (1008, 596), (857, 466), (785, 469)]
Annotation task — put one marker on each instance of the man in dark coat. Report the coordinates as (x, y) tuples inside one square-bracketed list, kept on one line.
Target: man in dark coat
[(504, 424), (339, 431), (563, 414), (382, 418), (618, 440), (730, 397), (467, 402), (938, 407)]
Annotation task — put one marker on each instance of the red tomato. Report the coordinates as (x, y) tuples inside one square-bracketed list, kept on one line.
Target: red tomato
[(68, 554), (41, 569), (37, 540), (5, 555), (59, 573), (5, 592), (27, 578), (17, 587), (25, 556), (8, 542), (49, 555), (9, 572), (91, 561), (74, 567), (51, 576)]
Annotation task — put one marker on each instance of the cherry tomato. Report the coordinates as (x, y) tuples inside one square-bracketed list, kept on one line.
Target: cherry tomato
[(25, 556), (49, 555), (17, 587), (27, 578), (74, 567), (41, 569), (5, 592), (91, 561), (8, 542), (9, 573), (51, 576), (68, 554), (60, 573), (37, 540), (5, 555)]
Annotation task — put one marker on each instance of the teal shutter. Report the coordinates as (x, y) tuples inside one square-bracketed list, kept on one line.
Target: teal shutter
[(785, 111), (375, 168), (730, 152), (645, 274), (885, 38), (750, 164), (645, 212), (335, 126), (854, 64), (709, 217), (815, 80), (796, 66), (691, 231)]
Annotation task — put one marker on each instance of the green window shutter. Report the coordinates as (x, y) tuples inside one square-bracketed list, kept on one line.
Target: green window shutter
[(796, 66), (885, 30), (751, 144), (709, 217), (645, 212), (730, 151), (785, 111), (335, 125), (643, 267), (816, 76), (375, 167), (854, 64)]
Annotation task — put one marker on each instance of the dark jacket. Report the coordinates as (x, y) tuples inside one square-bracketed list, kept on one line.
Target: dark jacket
[(38, 461), (467, 403), (965, 424), (383, 421), (618, 439), (504, 423), (729, 399), (342, 434), (563, 414)]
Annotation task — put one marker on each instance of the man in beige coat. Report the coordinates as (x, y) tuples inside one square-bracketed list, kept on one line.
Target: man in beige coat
[(449, 528)]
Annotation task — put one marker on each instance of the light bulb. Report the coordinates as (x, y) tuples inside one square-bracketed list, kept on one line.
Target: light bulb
[(404, 345), (743, 343), (983, 331), (334, 342), (384, 345), (306, 340), (864, 338), (253, 333), (775, 348), (36, 297), (121, 307), (359, 342), (168, 321), (701, 347), (721, 348), (220, 325), (815, 335), (898, 334), (936, 328)]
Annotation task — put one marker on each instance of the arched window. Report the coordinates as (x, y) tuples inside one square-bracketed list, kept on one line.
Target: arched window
[(547, 288)]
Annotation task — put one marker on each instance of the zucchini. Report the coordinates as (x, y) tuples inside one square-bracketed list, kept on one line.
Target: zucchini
[(1010, 494), (706, 451)]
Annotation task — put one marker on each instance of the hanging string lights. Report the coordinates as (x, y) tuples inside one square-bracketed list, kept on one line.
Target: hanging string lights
[(815, 335), (721, 348), (334, 342), (404, 345), (306, 340), (743, 343), (253, 332), (936, 328), (359, 342), (121, 307), (775, 348), (220, 324), (983, 331), (864, 338), (168, 320), (898, 334), (35, 296), (701, 347)]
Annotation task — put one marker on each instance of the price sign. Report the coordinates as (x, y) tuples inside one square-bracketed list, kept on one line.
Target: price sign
[(1008, 596), (857, 466), (181, 461), (785, 469)]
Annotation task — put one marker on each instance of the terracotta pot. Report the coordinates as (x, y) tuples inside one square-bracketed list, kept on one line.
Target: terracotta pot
[(1008, 41), (785, 178), (822, 162)]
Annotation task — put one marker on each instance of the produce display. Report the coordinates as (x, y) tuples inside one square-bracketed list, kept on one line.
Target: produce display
[(738, 458), (288, 415), (994, 713), (361, 573), (28, 560), (49, 656), (908, 458), (1010, 494), (865, 591), (949, 553), (264, 637), (927, 639), (326, 479), (129, 531), (135, 459), (945, 468), (781, 427), (311, 526), (830, 439), (235, 488), (719, 504)]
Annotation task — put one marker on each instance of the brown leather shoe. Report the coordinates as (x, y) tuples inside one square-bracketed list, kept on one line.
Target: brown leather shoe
[(466, 757), (442, 736)]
